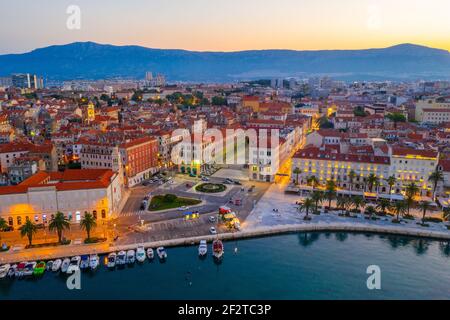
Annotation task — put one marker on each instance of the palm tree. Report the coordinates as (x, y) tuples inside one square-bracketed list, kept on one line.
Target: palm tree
[(436, 177), (424, 206), (28, 229), (313, 181), (372, 181), (297, 171), (330, 192), (358, 202), (383, 205), (399, 208), (340, 203), (317, 198), (410, 192), (307, 204), (88, 223), (348, 204), (351, 178), (391, 182), (370, 211), (59, 223)]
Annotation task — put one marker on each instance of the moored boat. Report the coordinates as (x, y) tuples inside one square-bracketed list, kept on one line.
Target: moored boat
[(49, 265), (94, 261), (140, 254), (65, 265), (12, 271), (20, 268), (150, 254), (131, 256), (111, 260), (29, 269), (39, 269), (218, 249), (84, 264), (202, 248), (121, 258), (4, 269), (56, 265), (162, 254)]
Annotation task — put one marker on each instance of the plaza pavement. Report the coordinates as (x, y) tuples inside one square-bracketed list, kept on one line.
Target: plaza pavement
[(263, 216)]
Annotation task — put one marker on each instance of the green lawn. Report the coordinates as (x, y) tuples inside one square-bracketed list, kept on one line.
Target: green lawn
[(162, 202)]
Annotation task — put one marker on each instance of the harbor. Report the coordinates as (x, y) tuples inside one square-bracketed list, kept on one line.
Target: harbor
[(259, 268)]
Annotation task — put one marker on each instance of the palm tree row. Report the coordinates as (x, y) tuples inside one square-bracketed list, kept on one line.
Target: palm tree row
[(58, 223)]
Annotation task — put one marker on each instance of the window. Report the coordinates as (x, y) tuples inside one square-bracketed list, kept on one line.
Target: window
[(19, 221), (103, 214), (94, 213), (77, 216), (10, 221)]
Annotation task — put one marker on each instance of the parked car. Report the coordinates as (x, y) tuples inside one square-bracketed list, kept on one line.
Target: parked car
[(237, 183), (212, 230), (205, 179), (212, 219)]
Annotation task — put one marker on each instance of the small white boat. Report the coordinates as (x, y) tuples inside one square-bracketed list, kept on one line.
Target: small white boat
[(49, 265), (56, 265), (4, 269), (84, 264), (150, 254), (29, 269), (121, 258), (12, 271), (65, 265), (112, 260), (140, 254), (131, 256), (162, 254), (94, 261), (202, 248)]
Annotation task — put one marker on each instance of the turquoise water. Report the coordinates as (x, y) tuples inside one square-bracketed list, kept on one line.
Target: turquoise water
[(294, 266)]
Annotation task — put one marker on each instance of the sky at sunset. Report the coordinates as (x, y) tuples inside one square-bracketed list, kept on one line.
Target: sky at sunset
[(227, 25)]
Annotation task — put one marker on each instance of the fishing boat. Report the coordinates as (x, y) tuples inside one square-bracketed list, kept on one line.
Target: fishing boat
[(4, 269), (39, 269), (140, 254), (29, 269), (112, 260), (150, 254), (56, 265), (65, 265), (49, 265), (84, 264), (121, 258), (12, 271), (162, 254), (202, 248), (217, 249), (94, 261), (20, 268), (131, 256)]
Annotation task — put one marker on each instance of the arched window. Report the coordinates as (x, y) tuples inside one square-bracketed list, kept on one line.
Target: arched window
[(19, 221), (103, 214), (10, 221), (94, 213)]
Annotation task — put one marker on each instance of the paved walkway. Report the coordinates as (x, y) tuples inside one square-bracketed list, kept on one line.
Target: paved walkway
[(275, 198)]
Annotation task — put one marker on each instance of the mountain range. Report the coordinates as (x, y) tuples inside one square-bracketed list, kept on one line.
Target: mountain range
[(89, 60)]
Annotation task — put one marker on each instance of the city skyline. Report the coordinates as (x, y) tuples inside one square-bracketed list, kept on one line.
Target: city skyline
[(227, 26)]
